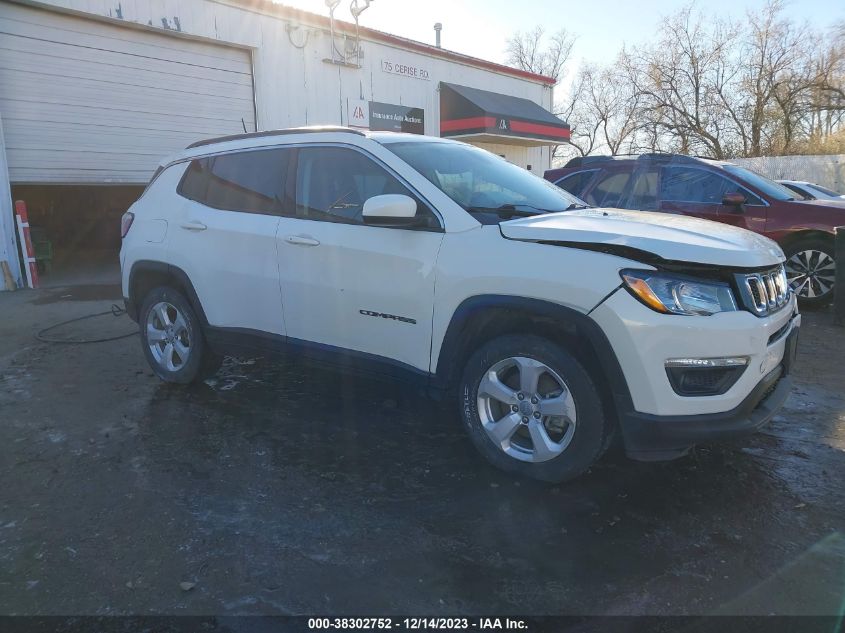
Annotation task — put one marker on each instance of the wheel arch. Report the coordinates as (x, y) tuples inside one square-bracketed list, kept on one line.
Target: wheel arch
[(801, 235), (148, 274), (482, 318)]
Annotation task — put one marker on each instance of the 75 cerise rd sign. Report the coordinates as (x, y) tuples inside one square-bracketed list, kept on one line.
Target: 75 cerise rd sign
[(406, 70)]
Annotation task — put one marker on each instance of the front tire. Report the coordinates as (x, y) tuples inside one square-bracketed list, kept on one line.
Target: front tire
[(172, 339), (531, 408), (811, 271)]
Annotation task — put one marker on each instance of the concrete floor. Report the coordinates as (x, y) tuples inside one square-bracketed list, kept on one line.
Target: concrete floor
[(89, 267), (283, 489)]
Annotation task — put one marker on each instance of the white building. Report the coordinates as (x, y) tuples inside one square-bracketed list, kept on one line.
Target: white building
[(94, 92)]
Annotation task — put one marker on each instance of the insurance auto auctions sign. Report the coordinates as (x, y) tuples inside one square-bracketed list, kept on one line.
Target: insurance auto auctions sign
[(396, 118), (358, 113)]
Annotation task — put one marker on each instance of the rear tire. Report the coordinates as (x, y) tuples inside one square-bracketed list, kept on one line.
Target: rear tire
[(552, 432), (810, 269), (172, 338)]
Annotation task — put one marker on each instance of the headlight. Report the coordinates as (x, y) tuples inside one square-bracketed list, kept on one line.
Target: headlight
[(673, 294)]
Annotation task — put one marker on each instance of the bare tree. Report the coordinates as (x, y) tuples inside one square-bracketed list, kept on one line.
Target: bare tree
[(828, 94), (603, 110), (532, 51), (777, 75), (705, 85), (685, 84)]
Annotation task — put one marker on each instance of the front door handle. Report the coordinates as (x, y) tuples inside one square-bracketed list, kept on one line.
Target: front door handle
[(302, 240), (193, 225)]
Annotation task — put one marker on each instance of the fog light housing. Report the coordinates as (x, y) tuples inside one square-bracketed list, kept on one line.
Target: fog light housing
[(705, 376)]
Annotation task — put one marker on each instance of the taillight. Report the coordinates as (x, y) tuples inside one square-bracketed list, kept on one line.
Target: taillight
[(126, 223)]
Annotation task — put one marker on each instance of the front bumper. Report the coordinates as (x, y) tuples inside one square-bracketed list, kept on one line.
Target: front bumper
[(654, 438), (658, 423)]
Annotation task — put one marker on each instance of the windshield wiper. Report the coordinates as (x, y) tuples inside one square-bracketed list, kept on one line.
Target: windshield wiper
[(575, 205), (511, 210)]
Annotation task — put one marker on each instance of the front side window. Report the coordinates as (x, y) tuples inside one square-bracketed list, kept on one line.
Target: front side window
[(761, 183), (482, 182), (249, 181), (333, 183), (699, 186)]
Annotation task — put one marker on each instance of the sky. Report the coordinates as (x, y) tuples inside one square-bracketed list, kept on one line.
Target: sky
[(480, 28)]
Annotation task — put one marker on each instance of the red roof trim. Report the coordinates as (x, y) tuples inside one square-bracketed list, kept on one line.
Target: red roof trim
[(488, 123), (270, 8), (472, 123), (525, 127)]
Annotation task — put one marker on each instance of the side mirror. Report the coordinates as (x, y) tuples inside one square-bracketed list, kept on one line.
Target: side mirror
[(390, 209), (734, 199)]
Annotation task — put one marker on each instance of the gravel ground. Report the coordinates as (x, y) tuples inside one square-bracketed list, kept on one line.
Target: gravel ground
[(287, 489)]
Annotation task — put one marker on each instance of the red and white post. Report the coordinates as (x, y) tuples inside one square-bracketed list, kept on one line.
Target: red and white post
[(30, 266)]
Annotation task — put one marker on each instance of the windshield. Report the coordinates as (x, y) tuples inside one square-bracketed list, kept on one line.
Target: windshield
[(480, 181), (761, 183)]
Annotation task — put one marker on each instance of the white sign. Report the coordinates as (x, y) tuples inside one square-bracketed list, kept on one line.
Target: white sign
[(406, 70), (358, 113)]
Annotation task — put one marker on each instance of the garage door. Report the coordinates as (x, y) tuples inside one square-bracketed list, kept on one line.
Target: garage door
[(84, 101)]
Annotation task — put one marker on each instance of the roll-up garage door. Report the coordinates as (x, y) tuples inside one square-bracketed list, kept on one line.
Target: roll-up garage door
[(85, 101)]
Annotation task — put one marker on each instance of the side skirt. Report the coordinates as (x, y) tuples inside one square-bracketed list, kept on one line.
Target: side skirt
[(244, 342)]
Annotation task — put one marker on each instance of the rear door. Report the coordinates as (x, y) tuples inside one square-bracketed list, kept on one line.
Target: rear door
[(224, 236)]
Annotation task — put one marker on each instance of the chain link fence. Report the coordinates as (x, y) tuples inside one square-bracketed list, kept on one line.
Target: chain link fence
[(827, 171)]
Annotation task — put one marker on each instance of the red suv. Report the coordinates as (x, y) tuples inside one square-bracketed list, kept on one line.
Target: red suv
[(718, 191)]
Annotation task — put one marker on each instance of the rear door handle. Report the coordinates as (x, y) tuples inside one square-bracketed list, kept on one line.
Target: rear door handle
[(302, 240), (193, 225)]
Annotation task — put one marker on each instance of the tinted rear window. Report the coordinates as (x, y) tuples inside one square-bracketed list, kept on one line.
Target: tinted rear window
[(251, 181), (577, 182), (609, 190)]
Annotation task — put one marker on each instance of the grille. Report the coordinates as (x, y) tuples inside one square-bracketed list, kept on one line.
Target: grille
[(765, 292)]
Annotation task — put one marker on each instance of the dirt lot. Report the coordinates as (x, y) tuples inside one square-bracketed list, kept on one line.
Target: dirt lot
[(289, 489)]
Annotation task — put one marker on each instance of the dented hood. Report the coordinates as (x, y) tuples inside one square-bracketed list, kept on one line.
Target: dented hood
[(669, 237)]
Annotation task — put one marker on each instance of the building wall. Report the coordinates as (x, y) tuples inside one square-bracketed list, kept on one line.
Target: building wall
[(8, 239), (295, 86)]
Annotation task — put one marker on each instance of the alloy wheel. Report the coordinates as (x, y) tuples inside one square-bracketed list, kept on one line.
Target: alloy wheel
[(527, 409), (811, 273), (168, 337)]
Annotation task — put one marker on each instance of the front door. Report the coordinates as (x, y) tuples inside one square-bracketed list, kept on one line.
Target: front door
[(692, 191), (349, 285), (698, 192)]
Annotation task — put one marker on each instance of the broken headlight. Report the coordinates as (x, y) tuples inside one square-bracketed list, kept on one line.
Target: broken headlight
[(675, 294)]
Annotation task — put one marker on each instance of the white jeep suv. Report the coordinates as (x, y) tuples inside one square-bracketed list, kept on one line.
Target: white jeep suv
[(550, 326)]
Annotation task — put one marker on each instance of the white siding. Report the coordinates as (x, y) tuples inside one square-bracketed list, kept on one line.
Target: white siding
[(84, 101), (8, 241), (294, 86)]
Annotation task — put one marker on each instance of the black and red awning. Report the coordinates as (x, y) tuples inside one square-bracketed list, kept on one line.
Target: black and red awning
[(472, 113)]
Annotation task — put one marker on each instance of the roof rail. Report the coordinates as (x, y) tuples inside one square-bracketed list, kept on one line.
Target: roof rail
[(579, 161), (291, 130)]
